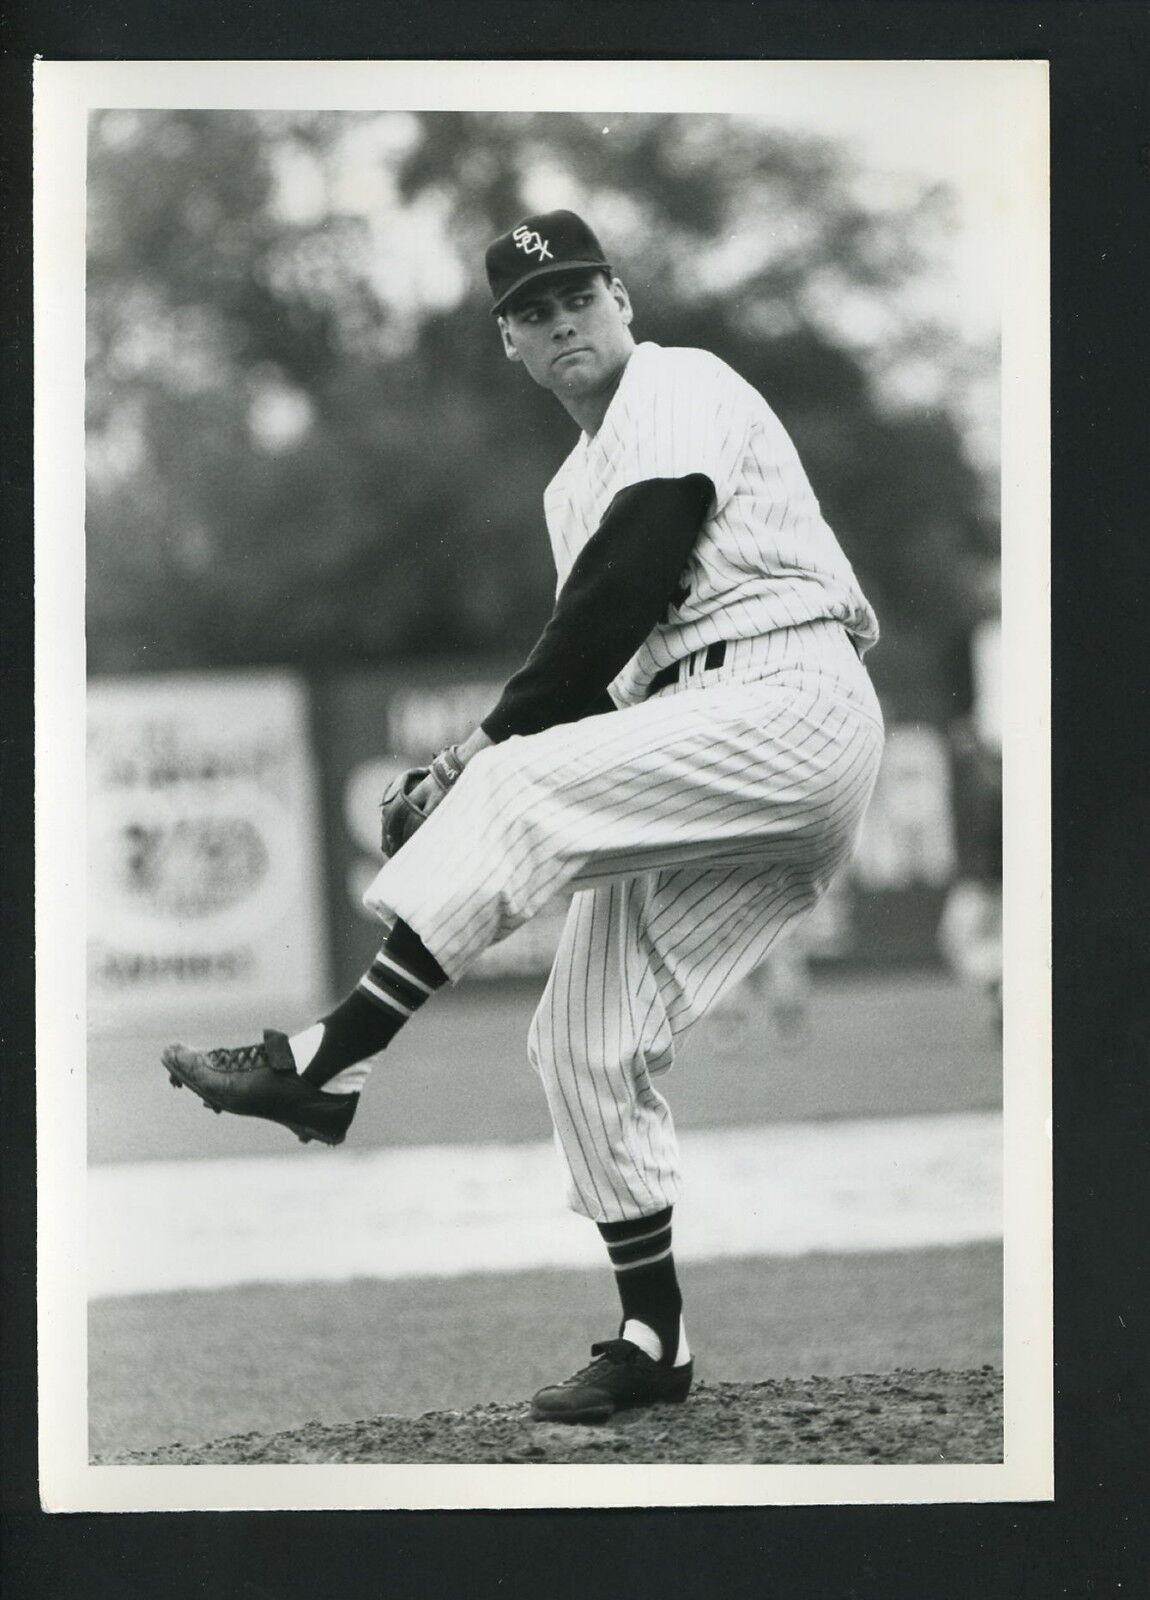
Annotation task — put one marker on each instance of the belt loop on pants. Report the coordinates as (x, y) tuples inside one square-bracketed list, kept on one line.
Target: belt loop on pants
[(711, 658)]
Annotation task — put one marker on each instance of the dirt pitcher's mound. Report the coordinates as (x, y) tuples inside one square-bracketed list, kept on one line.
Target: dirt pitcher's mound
[(885, 1417)]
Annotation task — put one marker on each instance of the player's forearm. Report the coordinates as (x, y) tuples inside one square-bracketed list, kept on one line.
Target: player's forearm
[(472, 745), (618, 589)]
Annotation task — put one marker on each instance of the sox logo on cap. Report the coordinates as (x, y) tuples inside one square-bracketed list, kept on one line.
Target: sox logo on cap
[(530, 242), (546, 242)]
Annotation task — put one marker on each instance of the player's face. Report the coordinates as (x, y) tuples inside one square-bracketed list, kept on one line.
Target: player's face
[(572, 334)]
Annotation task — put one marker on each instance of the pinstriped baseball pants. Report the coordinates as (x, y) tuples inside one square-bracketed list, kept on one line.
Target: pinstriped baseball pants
[(694, 828)]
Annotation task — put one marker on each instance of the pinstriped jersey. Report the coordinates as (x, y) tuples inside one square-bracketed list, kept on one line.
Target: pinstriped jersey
[(764, 558)]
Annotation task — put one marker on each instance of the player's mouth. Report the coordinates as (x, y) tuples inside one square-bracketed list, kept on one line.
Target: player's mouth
[(579, 350)]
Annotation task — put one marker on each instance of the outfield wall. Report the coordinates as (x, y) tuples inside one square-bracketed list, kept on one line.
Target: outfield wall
[(233, 826)]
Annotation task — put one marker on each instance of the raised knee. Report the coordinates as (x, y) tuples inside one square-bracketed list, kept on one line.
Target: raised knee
[(486, 785)]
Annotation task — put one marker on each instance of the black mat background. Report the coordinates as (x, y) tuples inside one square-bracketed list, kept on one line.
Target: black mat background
[(1092, 1540)]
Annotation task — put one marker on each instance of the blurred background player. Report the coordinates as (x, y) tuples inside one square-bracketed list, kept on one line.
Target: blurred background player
[(970, 926), (772, 1006)]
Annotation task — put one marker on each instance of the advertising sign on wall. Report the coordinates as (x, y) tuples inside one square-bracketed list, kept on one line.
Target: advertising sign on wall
[(203, 833)]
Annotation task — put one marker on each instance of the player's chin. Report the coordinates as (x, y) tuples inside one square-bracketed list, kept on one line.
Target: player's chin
[(573, 376)]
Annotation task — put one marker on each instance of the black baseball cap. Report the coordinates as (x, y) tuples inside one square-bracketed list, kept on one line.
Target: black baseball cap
[(540, 247)]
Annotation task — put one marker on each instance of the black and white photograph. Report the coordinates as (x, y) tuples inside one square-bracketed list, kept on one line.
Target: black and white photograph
[(558, 549)]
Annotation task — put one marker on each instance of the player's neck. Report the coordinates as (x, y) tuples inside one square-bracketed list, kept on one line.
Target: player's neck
[(589, 409)]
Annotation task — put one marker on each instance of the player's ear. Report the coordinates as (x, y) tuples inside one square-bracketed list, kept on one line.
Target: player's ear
[(509, 349), (621, 298)]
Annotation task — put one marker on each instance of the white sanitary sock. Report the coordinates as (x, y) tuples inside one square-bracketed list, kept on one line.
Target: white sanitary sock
[(648, 1340), (351, 1080), (303, 1048)]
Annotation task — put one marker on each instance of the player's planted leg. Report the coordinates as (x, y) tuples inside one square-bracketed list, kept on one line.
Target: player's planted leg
[(649, 1361), (310, 1083)]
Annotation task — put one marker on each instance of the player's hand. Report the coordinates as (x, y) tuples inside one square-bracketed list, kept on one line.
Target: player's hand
[(410, 799), (426, 796)]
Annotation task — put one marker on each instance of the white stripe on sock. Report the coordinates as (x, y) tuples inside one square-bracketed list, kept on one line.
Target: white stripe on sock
[(647, 1261), (408, 977), (388, 999)]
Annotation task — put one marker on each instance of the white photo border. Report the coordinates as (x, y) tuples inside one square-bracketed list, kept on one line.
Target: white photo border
[(64, 95)]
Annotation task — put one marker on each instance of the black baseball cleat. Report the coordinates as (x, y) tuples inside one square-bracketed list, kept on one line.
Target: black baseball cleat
[(260, 1080), (620, 1375)]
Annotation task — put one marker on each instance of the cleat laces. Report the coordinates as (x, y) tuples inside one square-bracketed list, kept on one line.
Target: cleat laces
[(241, 1059), (612, 1353)]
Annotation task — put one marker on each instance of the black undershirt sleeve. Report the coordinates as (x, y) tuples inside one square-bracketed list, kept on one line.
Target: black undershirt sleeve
[(622, 582)]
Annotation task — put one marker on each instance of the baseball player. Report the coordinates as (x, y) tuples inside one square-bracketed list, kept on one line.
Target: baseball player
[(704, 604)]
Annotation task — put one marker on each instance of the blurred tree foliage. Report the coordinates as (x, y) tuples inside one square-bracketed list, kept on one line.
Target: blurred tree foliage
[(292, 462)]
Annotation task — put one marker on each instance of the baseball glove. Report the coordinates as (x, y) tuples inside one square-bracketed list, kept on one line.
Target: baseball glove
[(399, 815)]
